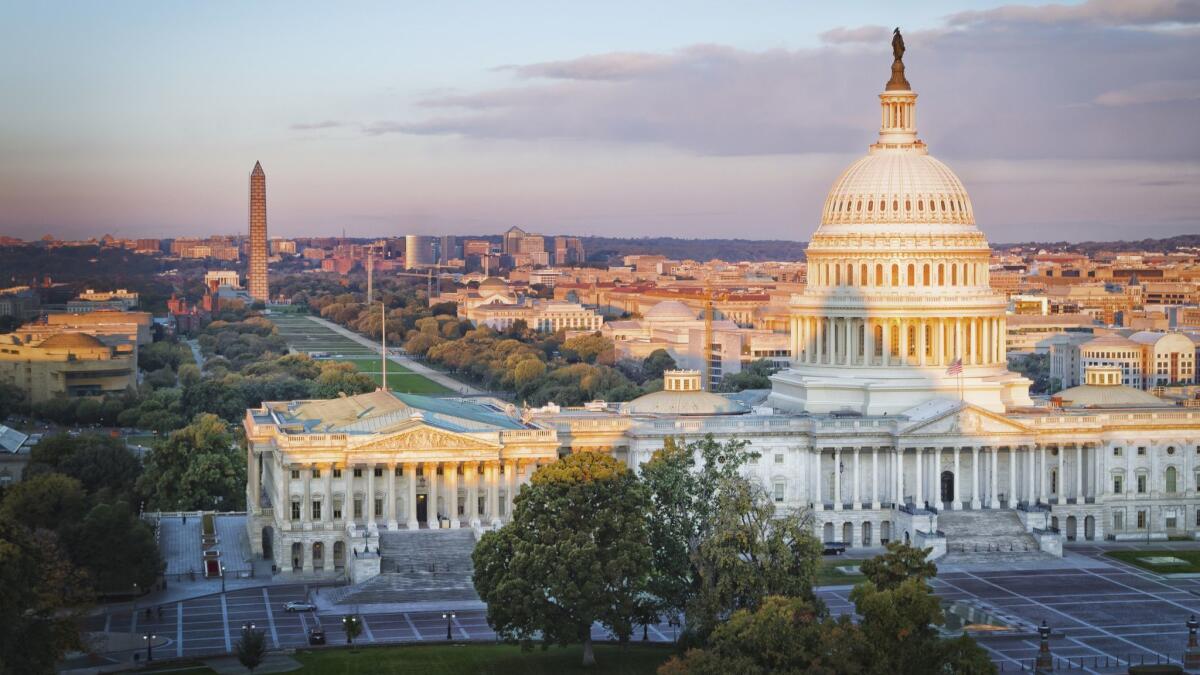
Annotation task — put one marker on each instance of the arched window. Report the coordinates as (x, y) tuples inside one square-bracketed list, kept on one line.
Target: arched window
[(850, 275), (925, 274), (862, 274), (1172, 477), (912, 276), (941, 274), (895, 205), (837, 275), (954, 275), (895, 275), (878, 275)]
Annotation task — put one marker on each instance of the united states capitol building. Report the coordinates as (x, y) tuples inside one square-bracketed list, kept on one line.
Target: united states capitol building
[(897, 419)]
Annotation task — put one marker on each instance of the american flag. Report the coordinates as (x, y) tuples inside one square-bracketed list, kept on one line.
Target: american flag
[(955, 368)]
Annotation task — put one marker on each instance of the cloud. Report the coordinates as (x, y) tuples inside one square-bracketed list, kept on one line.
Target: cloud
[(312, 126), (1092, 12), (1161, 91), (614, 66), (860, 35)]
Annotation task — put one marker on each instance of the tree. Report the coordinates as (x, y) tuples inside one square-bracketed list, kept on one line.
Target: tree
[(658, 361), (196, 468), (12, 399), (40, 596), (104, 464), (784, 635), (756, 375), (251, 648), (116, 547), (575, 553), (900, 614), (750, 553), (590, 348), (683, 498), (47, 501)]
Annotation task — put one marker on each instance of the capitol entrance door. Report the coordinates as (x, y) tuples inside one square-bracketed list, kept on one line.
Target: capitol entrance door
[(947, 487), (422, 510)]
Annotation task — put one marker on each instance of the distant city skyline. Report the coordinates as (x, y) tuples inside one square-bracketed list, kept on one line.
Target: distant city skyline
[(615, 120)]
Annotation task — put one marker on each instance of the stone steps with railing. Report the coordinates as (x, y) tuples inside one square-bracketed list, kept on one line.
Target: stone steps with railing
[(419, 566), (994, 531)]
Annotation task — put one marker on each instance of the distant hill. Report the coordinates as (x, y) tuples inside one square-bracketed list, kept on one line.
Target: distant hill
[(1153, 245)]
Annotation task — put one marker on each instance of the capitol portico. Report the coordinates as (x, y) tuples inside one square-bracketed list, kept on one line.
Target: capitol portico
[(898, 418)]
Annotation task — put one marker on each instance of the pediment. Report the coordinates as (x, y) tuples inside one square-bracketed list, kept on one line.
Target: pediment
[(422, 437), (966, 421)]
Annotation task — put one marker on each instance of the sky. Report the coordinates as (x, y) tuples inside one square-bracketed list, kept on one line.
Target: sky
[(687, 118)]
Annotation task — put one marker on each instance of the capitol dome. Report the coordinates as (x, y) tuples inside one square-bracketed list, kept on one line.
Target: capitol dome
[(898, 306)]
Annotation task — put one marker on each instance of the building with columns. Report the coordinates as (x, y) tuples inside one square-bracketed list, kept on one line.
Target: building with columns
[(325, 478)]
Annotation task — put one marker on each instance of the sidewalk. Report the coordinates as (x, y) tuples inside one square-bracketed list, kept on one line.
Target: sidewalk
[(419, 368)]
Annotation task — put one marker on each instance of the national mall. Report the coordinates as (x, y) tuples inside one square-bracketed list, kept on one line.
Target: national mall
[(897, 419)]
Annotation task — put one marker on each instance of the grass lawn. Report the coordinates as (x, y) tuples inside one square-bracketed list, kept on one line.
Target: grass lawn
[(1192, 559), (410, 383), (372, 365), (470, 658), (828, 575)]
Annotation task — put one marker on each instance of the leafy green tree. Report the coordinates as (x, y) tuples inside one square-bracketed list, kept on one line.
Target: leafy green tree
[(900, 616), (196, 468), (658, 361), (756, 375), (575, 553), (41, 594), (12, 399), (251, 648), (116, 547), (590, 348), (783, 636), (338, 378), (749, 553), (683, 498), (46, 501)]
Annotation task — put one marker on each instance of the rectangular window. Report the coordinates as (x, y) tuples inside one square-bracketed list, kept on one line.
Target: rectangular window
[(337, 473), (337, 510), (378, 472), (1118, 520), (358, 473), (779, 459), (378, 507), (1141, 483), (1116, 452), (1117, 481), (1141, 452), (316, 509), (399, 471), (316, 473), (1141, 520), (1171, 522), (357, 508), (779, 491), (296, 474), (295, 510)]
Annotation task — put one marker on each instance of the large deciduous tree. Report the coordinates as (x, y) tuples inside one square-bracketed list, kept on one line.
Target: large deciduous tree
[(196, 468), (575, 553), (116, 547)]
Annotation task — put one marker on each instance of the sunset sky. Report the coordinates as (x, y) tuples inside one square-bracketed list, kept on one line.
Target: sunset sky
[(683, 118)]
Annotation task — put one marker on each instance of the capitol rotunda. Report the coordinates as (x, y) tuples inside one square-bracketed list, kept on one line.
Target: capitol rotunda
[(898, 288)]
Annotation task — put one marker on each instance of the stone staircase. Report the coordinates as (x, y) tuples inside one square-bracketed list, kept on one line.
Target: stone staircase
[(991, 535), (419, 566)]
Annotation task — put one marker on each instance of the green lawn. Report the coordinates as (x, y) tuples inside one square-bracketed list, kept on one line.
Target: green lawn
[(372, 365), (489, 659), (1192, 559), (410, 383), (828, 575)]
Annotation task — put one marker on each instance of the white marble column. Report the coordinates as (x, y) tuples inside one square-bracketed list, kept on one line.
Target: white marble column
[(510, 478), (817, 473), (976, 486), (306, 515), (1045, 492), (410, 475), (493, 479), (919, 494), (253, 471), (471, 478), (327, 502), (1030, 487), (431, 495), (1012, 477), (993, 497), (874, 478), (857, 482), (1079, 496), (451, 472), (837, 479), (1060, 487), (898, 476), (887, 342), (957, 505), (389, 502), (369, 502)]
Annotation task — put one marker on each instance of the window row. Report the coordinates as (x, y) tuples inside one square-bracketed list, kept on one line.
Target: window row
[(911, 275)]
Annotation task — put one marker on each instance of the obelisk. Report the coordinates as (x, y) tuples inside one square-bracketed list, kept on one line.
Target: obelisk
[(257, 277)]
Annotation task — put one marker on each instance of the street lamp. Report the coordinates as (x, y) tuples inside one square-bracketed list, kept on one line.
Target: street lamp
[(135, 597), (1191, 658), (449, 617), (149, 638), (1045, 661), (222, 578)]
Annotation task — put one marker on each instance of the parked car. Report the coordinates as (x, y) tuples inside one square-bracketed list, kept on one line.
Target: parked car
[(316, 636), (834, 548), (299, 607)]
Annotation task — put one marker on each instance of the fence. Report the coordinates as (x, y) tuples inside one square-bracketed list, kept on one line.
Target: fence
[(1095, 663)]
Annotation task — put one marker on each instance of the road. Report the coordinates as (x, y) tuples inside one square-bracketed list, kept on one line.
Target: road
[(415, 366)]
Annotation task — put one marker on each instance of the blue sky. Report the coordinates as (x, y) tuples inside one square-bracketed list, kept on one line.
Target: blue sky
[(665, 118)]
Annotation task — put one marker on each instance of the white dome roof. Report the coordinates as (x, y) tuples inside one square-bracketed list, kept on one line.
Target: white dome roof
[(898, 187), (670, 309)]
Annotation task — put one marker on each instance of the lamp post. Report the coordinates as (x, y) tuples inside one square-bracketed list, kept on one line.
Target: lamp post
[(1191, 658), (1045, 660), (449, 617), (222, 578), (135, 597), (149, 638)]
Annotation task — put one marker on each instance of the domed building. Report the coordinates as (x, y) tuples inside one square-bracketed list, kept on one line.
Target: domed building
[(898, 308)]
